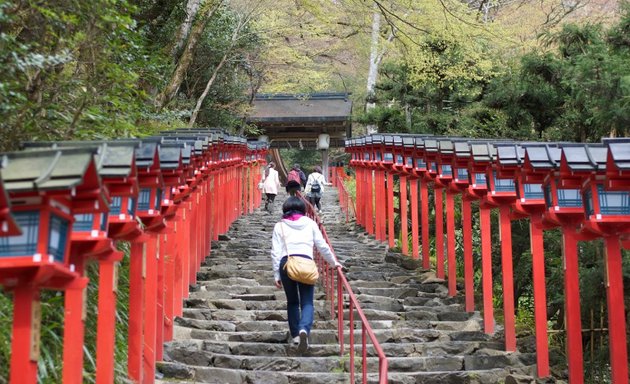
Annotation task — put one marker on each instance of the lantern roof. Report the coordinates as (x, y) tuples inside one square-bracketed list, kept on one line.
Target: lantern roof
[(147, 155), (545, 156), (619, 152), (212, 132), (461, 149), (512, 154), (114, 158), (431, 145), (49, 169), (214, 135), (446, 146), (117, 159), (584, 157), (409, 141), (198, 142), (257, 144), (482, 151), (170, 156)]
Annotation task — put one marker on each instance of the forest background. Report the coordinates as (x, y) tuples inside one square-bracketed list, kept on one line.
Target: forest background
[(520, 69)]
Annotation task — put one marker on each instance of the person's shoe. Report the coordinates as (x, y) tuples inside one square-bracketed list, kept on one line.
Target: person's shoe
[(303, 345), (296, 340)]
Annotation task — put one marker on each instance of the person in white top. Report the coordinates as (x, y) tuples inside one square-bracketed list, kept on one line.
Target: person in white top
[(315, 187), (271, 184), (296, 234)]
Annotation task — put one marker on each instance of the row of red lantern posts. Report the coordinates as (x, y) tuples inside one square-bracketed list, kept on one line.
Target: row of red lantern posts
[(65, 204), (582, 188), (336, 172)]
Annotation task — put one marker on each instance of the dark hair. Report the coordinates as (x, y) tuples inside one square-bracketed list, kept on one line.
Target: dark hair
[(293, 205), (296, 166), (293, 185), (318, 169)]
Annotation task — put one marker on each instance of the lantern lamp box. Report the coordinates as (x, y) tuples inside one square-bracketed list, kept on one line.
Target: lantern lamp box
[(116, 165), (420, 165), (606, 210), (618, 164), (431, 148), (409, 147), (481, 155), (151, 186), (460, 160), (446, 152), (44, 187), (528, 181), (8, 226), (399, 154), (172, 168)]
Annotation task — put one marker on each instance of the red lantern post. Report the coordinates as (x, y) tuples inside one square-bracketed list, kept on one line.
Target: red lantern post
[(420, 170), (444, 178), (530, 203), (388, 184), (482, 155), (607, 208), (378, 142), (409, 149), (431, 158), (143, 269), (459, 184), (398, 168), (47, 185), (563, 207), (502, 194), (369, 181)]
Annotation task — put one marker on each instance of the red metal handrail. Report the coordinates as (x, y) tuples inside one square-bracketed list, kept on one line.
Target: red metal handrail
[(337, 291), (345, 200)]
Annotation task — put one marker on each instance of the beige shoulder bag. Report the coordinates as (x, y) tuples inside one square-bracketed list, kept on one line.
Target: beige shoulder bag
[(300, 269)]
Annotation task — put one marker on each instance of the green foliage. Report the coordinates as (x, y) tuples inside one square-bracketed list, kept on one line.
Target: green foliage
[(387, 119), (580, 93)]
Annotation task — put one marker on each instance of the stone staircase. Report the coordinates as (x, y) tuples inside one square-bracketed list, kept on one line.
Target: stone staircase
[(234, 327)]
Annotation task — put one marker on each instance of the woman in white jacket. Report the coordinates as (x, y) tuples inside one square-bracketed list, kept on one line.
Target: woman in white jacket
[(295, 235), (271, 184)]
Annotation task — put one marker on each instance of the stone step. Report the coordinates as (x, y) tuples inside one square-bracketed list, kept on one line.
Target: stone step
[(324, 336), (240, 376), (234, 329), (292, 360), (279, 323), (200, 374), (436, 348), (245, 315)]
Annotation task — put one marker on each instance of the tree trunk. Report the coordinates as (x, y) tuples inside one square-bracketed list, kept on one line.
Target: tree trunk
[(228, 50), (373, 70), (195, 113), (375, 61), (186, 58), (192, 7)]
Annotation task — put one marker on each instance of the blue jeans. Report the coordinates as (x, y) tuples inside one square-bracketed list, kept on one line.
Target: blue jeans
[(299, 299)]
